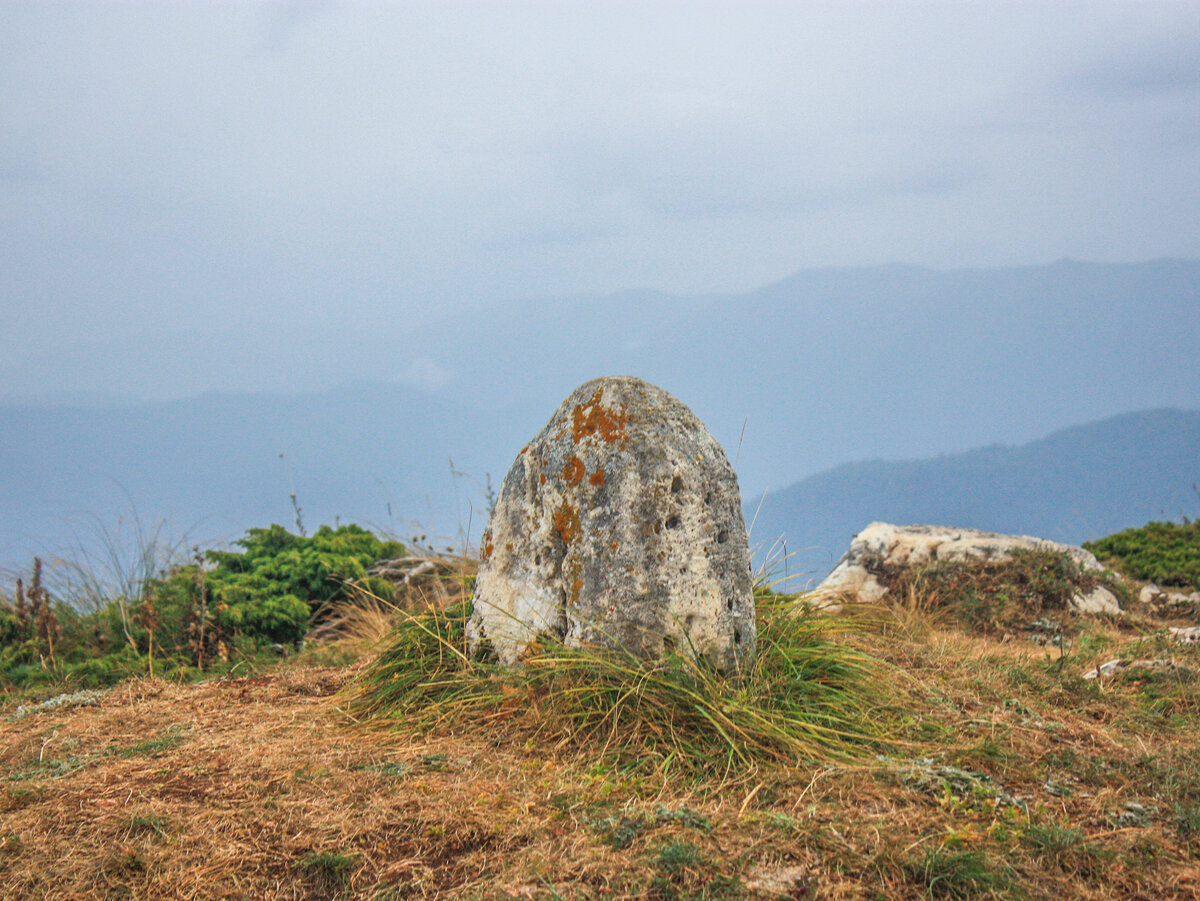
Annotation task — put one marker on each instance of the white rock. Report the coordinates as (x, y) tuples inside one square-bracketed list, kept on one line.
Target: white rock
[(1187, 635), (1177, 598), (779, 882), (885, 548), (1106, 669), (1117, 666), (1150, 593), (619, 525), (1098, 600), (1153, 594)]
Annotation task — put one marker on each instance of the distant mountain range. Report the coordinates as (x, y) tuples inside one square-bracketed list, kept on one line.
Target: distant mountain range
[(1072, 486), (834, 365), (213, 466), (828, 366)]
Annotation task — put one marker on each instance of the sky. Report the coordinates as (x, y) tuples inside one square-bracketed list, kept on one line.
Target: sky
[(178, 169)]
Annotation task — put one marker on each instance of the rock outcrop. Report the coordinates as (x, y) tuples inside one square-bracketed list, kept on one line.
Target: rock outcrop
[(620, 526), (1113, 667), (1099, 601), (881, 551), (1153, 594), (1184, 634)]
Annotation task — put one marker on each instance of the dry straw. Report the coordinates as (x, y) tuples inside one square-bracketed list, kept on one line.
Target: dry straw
[(808, 695)]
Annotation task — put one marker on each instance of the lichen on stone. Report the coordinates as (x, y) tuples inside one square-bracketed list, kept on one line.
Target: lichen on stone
[(648, 553)]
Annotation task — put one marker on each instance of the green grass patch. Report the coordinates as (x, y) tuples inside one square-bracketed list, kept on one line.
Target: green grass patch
[(620, 832), (675, 856), (807, 696), (392, 769), (167, 740), (329, 870), (684, 874), (49, 768), (1063, 846), (152, 825), (961, 875)]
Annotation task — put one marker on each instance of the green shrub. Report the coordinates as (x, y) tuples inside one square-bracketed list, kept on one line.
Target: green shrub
[(223, 604), (253, 609), (268, 591), (1163, 552), (314, 569)]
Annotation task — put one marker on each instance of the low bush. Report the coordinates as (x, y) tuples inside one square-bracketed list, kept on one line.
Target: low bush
[(220, 606), (1163, 552), (999, 595)]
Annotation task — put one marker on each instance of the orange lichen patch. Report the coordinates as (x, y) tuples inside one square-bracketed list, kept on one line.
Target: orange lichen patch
[(486, 547), (573, 471), (566, 521), (613, 547), (541, 478), (593, 418), (597, 477)]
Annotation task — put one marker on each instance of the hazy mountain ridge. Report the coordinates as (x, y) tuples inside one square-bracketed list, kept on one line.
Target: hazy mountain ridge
[(1071, 486), (830, 365), (896, 361), (212, 466)]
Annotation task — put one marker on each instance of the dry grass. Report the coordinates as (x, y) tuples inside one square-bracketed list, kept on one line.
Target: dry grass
[(359, 629), (808, 696), (1014, 779)]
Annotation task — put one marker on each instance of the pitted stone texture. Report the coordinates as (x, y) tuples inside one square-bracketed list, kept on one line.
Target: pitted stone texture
[(619, 525)]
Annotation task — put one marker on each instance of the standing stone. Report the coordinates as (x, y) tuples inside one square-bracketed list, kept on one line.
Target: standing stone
[(620, 526)]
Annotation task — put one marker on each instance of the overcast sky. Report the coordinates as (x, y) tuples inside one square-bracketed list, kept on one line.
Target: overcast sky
[(168, 166)]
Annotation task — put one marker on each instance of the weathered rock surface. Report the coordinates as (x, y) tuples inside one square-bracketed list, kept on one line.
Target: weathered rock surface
[(619, 525), (1097, 601), (1119, 666), (881, 550), (1153, 594), (780, 881), (1185, 634)]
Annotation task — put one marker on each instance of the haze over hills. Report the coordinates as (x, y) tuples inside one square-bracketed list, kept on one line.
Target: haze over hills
[(1072, 486), (216, 465), (825, 367)]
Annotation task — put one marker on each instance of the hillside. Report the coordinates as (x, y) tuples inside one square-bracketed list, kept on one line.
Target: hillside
[(971, 737), (1010, 777), (834, 365), (1072, 486), (824, 367)]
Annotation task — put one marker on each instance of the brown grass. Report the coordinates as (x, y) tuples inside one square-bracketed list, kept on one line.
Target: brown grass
[(263, 787)]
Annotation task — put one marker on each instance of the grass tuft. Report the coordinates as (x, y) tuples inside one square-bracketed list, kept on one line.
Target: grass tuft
[(960, 874), (330, 870), (806, 697)]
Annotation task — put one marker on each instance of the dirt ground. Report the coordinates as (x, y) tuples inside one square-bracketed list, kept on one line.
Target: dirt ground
[(1023, 784)]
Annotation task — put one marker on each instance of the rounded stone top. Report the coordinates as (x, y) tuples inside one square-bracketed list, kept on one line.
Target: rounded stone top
[(619, 525)]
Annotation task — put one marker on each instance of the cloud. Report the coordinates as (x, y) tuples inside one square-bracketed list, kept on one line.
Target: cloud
[(172, 165), (1143, 69), (426, 374), (279, 20)]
